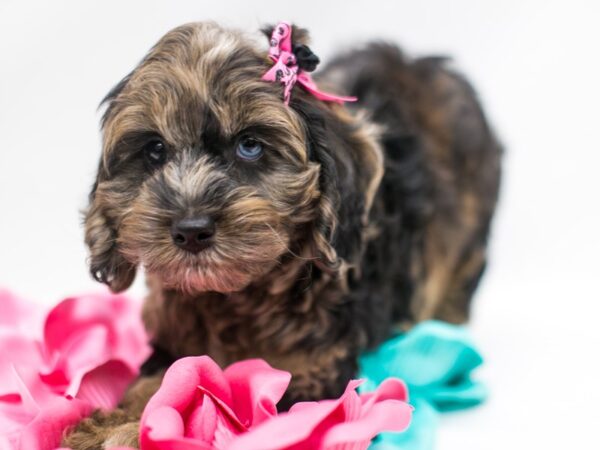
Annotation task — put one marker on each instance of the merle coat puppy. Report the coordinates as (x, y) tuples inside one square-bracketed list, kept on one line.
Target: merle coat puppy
[(303, 234)]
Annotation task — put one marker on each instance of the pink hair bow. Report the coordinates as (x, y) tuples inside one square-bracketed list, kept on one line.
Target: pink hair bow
[(287, 71)]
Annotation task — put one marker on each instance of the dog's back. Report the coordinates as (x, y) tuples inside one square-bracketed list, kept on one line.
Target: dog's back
[(431, 216)]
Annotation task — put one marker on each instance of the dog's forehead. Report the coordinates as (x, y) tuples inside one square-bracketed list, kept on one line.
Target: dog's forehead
[(208, 69), (198, 76)]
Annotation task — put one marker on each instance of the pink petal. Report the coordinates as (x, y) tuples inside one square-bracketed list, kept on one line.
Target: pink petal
[(104, 386), (189, 385), (45, 431), (346, 421), (225, 410), (33, 392), (16, 350), (93, 347), (208, 423), (81, 353), (71, 316), (119, 316), (164, 423), (202, 422), (38, 418), (180, 383), (389, 415), (84, 333), (287, 429), (163, 428), (223, 436), (256, 387), (13, 418), (390, 388)]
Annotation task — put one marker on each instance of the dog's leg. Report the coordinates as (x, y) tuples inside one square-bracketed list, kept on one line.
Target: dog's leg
[(455, 306), (454, 262), (115, 428), (317, 375)]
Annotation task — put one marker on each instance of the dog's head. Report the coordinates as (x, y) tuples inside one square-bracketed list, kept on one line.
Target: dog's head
[(208, 179)]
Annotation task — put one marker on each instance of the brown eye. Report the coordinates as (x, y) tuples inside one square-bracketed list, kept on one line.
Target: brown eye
[(155, 152)]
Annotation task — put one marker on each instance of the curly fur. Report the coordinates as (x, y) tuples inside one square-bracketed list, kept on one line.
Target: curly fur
[(355, 220)]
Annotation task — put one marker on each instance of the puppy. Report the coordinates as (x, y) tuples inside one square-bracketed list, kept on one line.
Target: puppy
[(301, 233)]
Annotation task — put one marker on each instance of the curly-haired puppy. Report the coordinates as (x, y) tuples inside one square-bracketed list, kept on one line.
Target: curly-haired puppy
[(301, 233)]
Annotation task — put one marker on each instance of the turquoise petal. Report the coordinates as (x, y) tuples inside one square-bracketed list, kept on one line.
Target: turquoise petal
[(435, 360)]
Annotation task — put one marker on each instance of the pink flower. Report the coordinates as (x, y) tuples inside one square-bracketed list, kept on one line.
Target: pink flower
[(200, 406), (87, 352), (94, 346), (348, 423)]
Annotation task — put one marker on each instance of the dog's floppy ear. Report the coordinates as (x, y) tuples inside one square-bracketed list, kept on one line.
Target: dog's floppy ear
[(351, 167), (107, 265)]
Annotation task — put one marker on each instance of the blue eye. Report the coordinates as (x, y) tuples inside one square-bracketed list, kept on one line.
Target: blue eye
[(249, 149)]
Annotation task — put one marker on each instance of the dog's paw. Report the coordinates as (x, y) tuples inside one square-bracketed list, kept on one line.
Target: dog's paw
[(104, 430)]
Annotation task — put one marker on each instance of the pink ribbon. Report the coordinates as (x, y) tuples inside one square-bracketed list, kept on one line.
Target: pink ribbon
[(287, 71)]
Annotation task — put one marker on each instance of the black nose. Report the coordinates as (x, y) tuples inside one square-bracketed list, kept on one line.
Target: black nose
[(193, 234)]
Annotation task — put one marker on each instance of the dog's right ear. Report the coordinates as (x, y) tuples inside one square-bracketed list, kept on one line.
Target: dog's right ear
[(107, 264)]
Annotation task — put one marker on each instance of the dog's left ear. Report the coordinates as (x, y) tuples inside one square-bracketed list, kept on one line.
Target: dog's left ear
[(351, 167)]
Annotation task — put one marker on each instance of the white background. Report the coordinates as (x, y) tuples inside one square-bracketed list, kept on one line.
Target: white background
[(535, 64)]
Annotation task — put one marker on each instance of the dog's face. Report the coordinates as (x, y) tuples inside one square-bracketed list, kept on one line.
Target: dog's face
[(206, 177)]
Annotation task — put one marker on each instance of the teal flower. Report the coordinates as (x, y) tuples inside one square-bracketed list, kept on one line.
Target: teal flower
[(435, 360)]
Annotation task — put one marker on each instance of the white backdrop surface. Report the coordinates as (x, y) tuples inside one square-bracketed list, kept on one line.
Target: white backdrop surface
[(535, 65)]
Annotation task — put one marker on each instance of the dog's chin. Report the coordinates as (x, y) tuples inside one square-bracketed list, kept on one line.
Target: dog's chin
[(195, 280), (215, 269), (194, 275)]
